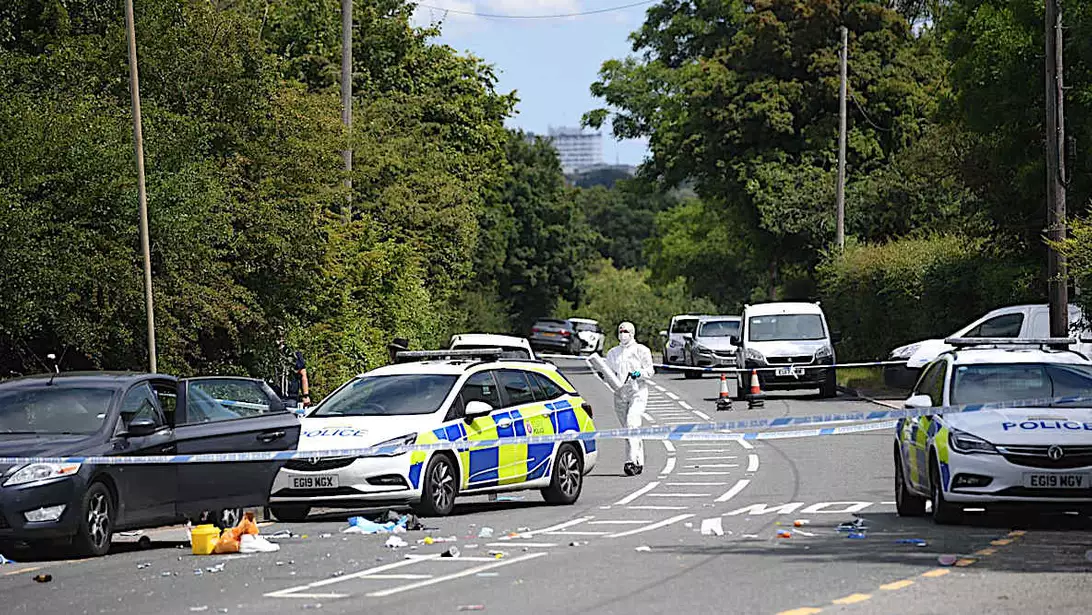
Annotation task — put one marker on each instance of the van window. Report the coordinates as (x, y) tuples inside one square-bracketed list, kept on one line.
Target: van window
[(1006, 325), (785, 327), (684, 326)]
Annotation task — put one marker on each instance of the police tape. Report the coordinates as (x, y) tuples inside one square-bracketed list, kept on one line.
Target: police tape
[(791, 368), (724, 430)]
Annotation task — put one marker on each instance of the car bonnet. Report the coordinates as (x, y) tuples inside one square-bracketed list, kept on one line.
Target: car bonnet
[(1029, 426), (347, 432)]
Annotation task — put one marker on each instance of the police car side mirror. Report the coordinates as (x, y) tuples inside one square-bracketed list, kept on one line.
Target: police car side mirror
[(918, 402), (477, 409)]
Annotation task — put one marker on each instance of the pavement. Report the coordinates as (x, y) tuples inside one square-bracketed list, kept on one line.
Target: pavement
[(629, 545)]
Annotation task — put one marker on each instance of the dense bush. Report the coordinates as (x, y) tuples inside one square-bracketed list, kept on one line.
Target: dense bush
[(884, 296)]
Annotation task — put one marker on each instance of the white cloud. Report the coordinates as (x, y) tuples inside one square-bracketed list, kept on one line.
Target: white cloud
[(532, 7), (451, 12)]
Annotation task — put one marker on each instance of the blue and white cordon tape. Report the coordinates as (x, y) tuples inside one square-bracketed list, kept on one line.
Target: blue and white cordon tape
[(759, 429)]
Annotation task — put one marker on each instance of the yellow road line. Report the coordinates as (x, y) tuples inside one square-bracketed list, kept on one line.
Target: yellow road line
[(852, 599), (21, 571), (985, 552), (1017, 533), (1000, 542), (967, 561), (890, 587), (936, 572), (807, 610)]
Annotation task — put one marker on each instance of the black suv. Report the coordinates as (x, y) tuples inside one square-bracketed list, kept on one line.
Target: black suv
[(554, 334)]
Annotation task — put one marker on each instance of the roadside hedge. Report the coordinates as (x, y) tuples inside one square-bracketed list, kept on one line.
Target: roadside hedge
[(883, 296)]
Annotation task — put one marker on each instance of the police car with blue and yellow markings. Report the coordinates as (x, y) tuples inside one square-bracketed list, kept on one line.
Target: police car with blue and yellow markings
[(433, 396), (997, 458)]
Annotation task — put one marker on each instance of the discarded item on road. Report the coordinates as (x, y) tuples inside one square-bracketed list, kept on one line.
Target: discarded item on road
[(43, 578), (800, 522), (688, 525), (203, 539), (252, 543), (509, 498), (917, 542), (198, 609), (857, 535), (643, 548), (4, 560), (523, 529), (784, 534), (947, 560), (217, 568), (394, 542), (712, 527), (498, 554), (142, 566), (472, 607), (575, 543), (451, 552), (852, 526), (488, 574), (485, 532), (808, 534), (281, 534), (229, 538)]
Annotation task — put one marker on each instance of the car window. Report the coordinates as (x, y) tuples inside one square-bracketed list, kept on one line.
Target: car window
[(57, 408), (983, 384), (480, 387), (139, 403), (1071, 380), (204, 408), (1006, 325), (517, 391), (719, 328), (167, 396), (684, 325), (929, 381), (242, 397), (545, 389), (393, 395), (785, 327)]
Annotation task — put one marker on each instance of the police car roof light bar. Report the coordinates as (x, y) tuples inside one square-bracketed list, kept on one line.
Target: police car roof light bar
[(407, 356), (967, 342)]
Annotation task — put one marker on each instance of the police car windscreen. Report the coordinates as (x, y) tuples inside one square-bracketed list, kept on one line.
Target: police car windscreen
[(389, 396), (983, 384), (786, 327)]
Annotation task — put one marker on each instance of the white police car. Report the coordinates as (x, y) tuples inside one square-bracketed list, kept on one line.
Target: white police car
[(997, 458), (439, 396)]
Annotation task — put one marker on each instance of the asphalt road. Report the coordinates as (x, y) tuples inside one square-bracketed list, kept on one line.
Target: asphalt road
[(630, 545)]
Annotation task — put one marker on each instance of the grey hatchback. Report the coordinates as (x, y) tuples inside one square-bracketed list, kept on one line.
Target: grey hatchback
[(554, 334)]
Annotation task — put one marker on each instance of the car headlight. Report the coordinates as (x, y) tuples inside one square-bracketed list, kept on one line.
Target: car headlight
[(825, 352), (35, 472), (405, 440), (754, 355), (963, 442), (905, 352)]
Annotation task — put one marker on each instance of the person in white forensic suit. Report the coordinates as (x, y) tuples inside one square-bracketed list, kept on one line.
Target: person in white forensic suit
[(631, 363)]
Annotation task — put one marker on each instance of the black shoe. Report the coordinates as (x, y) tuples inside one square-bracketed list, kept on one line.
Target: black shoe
[(630, 468), (638, 469)]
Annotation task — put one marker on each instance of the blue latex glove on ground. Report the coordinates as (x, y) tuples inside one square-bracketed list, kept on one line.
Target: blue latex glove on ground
[(635, 374)]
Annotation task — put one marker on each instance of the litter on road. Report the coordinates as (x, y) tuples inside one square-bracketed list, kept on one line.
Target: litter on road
[(853, 526), (643, 548), (395, 542), (917, 542), (857, 535), (4, 560), (800, 522), (712, 527), (947, 560), (43, 578), (784, 534), (451, 552), (485, 532)]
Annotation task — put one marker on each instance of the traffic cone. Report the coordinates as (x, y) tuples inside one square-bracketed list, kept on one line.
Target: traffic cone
[(724, 402), (756, 399)]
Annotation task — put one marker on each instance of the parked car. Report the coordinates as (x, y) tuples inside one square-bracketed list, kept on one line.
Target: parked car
[(792, 338), (514, 347), (1020, 322), (711, 344), (590, 333), (125, 414), (675, 337), (555, 334)]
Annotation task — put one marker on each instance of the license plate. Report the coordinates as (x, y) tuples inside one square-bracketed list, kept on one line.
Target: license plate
[(322, 481), (789, 371), (550, 334), (1056, 481)]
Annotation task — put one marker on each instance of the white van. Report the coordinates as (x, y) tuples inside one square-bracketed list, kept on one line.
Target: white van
[(792, 338), (1015, 321)]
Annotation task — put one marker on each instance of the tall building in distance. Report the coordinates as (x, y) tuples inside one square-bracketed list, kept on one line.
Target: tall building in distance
[(577, 149)]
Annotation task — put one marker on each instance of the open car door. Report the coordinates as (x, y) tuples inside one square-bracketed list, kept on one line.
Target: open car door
[(229, 415)]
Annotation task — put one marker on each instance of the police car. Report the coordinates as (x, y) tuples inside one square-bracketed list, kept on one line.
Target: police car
[(433, 396), (997, 458)]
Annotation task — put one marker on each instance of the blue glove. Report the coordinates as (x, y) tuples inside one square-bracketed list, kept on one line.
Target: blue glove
[(635, 374)]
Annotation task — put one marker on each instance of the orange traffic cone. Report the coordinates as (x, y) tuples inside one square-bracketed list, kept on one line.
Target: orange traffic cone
[(756, 398), (724, 402)]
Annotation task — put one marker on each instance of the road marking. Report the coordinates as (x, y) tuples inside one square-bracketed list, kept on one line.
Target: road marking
[(313, 596), (21, 571), (658, 387), (679, 495), (458, 575), (294, 592), (734, 491), (966, 561), (807, 610), (648, 418), (745, 444), (396, 577), (573, 533), (446, 560), (890, 587), (715, 465), (702, 414), (687, 406), (669, 446), (672, 395), (708, 450), (552, 528), (620, 522), (1000, 542), (523, 544), (636, 494), (654, 526), (847, 508), (669, 466), (658, 507), (685, 484), (985, 552), (703, 474), (1017, 533), (852, 599), (938, 572), (714, 458)]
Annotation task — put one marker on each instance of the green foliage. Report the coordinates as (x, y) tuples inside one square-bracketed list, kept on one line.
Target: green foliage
[(1078, 252), (624, 215), (883, 296)]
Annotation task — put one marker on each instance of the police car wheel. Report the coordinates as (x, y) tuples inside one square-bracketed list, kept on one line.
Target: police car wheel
[(568, 476), (439, 489), (290, 513), (906, 503), (943, 512)]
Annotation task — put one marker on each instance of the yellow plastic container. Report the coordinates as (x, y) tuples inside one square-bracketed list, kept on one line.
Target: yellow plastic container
[(203, 539)]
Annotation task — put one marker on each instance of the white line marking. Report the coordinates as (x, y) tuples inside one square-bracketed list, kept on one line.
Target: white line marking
[(636, 494), (619, 522), (679, 495), (310, 596), (734, 491), (752, 462), (648, 418), (715, 465), (713, 458), (887, 503), (685, 484), (686, 405), (669, 446), (575, 533), (708, 450), (552, 528), (400, 577), (446, 560), (745, 444), (658, 387), (654, 526), (672, 395), (669, 466), (291, 591), (658, 507), (702, 414), (522, 544), (703, 474), (458, 575)]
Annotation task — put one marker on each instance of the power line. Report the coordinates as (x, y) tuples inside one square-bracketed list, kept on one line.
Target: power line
[(555, 16)]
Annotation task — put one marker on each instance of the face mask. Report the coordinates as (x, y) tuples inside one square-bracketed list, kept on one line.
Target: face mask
[(625, 337)]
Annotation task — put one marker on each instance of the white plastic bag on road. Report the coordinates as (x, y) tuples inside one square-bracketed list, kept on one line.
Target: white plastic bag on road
[(712, 527), (253, 543), (395, 542)]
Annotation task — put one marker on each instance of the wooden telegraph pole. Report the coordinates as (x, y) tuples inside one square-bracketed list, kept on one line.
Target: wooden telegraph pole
[(1057, 274)]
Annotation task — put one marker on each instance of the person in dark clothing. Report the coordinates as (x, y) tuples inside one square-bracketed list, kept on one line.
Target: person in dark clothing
[(298, 387), (397, 345)]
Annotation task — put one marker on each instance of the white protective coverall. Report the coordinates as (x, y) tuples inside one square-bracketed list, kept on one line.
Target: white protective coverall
[(631, 398)]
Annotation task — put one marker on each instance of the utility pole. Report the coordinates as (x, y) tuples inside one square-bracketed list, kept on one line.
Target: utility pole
[(347, 100), (840, 234), (138, 146), (1057, 274)]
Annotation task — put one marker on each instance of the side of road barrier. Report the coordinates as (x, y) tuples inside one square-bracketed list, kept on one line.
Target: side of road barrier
[(753, 429)]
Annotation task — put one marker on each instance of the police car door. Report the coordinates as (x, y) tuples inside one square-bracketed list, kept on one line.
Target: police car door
[(916, 431), (480, 465)]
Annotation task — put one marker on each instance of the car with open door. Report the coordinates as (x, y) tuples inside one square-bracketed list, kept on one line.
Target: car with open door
[(109, 414)]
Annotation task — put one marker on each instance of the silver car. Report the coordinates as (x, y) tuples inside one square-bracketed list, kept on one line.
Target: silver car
[(711, 344), (681, 326)]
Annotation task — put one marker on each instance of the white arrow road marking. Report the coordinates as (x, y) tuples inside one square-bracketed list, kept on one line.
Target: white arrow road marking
[(734, 491), (654, 526), (669, 466), (752, 462), (636, 494)]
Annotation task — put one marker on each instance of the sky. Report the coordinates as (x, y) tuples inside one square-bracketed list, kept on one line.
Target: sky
[(550, 63)]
